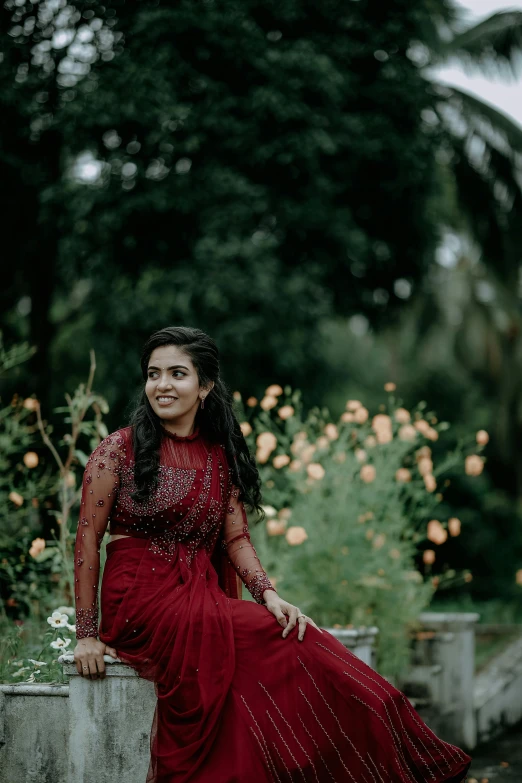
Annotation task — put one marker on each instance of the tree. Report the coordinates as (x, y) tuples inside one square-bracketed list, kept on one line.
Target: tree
[(252, 168)]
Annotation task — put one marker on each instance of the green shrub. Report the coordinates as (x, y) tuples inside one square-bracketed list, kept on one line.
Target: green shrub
[(350, 505)]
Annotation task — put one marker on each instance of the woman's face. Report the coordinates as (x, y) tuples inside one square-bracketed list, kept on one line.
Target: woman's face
[(172, 385)]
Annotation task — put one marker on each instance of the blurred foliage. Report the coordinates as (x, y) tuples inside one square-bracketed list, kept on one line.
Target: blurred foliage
[(37, 524), (243, 166)]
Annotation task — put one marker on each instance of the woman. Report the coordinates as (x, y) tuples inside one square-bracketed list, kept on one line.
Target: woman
[(237, 699)]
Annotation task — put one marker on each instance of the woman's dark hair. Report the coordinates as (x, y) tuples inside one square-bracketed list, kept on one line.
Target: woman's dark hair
[(216, 420)]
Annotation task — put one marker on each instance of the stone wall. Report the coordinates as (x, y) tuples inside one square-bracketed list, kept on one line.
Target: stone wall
[(93, 731)]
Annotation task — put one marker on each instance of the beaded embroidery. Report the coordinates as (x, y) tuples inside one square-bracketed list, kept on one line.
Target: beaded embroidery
[(183, 508)]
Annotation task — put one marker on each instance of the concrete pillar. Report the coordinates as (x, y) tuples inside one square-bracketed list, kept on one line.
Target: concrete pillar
[(448, 641), (110, 722)]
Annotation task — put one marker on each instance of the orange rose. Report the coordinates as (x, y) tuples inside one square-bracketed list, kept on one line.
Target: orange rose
[(474, 465), (402, 416), (389, 387), (428, 556), (407, 432), (425, 466), (436, 532), (361, 415), (275, 527), (315, 471), (368, 474), (266, 440), (331, 431), (280, 461), (274, 390), (246, 429), (352, 405), (16, 498), (37, 546), (268, 402), (285, 412), (384, 436), (454, 526), (30, 459), (482, 437), (381, 422), (296, 535), (430, 483), (403, 475)]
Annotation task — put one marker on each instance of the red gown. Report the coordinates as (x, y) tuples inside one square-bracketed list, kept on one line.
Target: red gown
[(236, 703)]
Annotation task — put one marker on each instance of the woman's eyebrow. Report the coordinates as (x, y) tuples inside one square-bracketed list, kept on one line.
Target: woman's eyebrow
[(174, 367)]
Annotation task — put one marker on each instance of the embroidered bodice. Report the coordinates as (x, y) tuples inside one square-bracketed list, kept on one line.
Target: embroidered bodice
[(190, 505)]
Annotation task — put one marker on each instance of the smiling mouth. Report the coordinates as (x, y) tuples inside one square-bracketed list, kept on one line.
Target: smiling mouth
[(166, 399)]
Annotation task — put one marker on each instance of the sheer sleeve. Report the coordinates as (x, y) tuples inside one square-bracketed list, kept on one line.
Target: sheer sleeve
[(241, 552), (99, 488)]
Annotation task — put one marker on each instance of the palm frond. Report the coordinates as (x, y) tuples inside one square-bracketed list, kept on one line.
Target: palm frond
[(494, 45), (498, 128)]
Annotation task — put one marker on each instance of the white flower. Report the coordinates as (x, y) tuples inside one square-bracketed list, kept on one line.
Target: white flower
[(68, 610), (57, 620), (31, 677), (20, 671), (71, 628), (269, 511), (37, 663), (60, 644)]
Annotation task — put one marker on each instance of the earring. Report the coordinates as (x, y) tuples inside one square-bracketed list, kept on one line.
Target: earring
[(202, 402)]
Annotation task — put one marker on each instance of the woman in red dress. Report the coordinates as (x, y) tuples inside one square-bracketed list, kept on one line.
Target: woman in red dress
[(238, 699)]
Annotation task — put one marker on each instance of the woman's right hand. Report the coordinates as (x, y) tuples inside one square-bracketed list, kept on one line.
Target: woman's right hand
[(88, 657)]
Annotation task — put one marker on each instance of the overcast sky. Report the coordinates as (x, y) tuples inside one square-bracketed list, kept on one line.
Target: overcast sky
[(502, 94)]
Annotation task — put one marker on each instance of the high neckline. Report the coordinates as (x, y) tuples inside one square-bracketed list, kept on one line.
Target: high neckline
[(174, 436)]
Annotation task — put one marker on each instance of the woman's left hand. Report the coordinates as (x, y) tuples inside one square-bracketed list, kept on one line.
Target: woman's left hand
[(280, 609)]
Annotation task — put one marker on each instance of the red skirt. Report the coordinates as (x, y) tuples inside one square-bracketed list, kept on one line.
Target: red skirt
[(237, 703)]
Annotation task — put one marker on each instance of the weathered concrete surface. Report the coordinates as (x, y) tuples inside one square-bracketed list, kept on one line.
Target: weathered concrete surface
[(110, 722), (498, 693), (440, 681), (34, 733), (100, 731)]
